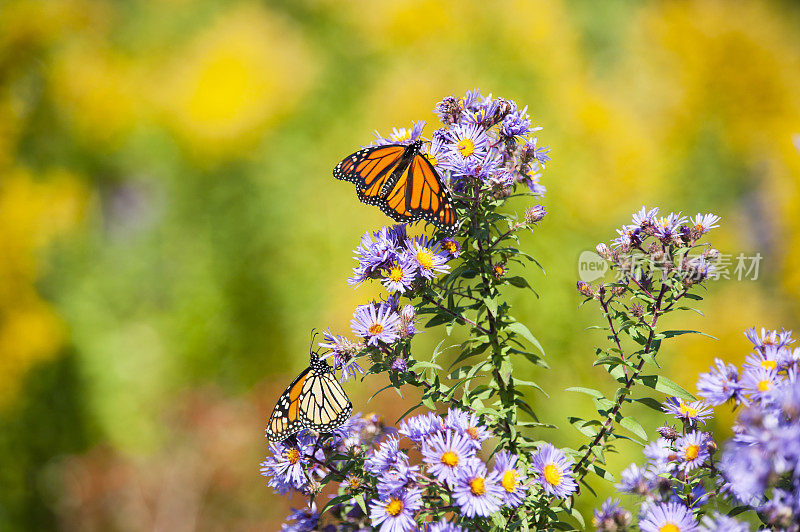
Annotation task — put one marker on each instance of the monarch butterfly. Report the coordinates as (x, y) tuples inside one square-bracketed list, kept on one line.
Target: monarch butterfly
[(314, 400), (401, 182)]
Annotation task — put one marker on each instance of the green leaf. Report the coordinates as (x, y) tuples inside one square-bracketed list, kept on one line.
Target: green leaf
[(333, 502), (633, 426), (649, 402), (664, 385), (672, 334), (522, 330), (587, 391), (361, 503), (600, 472)]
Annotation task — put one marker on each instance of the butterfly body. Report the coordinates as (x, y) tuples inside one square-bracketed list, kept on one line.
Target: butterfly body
[(402, 182), (314, 400)]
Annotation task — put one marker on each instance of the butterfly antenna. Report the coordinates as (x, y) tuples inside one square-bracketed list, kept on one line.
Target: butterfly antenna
[(314, 354)]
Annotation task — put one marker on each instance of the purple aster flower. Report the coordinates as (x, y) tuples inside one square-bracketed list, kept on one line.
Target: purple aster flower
[(387, 456), (720, 384), (722, 523), (428, 257), (554, 470), (516, 124), (659, 517), (285, 467), (659, 456), (452, 247), (375, 324), (778, 339), (511, 479), (401, 135), (691, 413), (477, 492), (417, 427), (746, 472), (375, 252), (400, 274), (446, 453), (703, 223), (395, 480), (635, 480), (781, 510), (611, 517), (770, 357), (666, 227), (644, 218), (396, 513), (692, 450), (467, 142), (343, 350), (305, 520), (472, 100), (467, 424), (759, 382)]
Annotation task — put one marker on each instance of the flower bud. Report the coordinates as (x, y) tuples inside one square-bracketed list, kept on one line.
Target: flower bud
[(399, 365), (617, 291), (637, 310), (603, 250), (668, 433), (585, 289), (534, 214)]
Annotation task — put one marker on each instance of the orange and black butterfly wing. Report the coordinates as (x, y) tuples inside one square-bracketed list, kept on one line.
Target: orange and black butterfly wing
[(285, 419), (420, 194), (370, 168), (429, 198)]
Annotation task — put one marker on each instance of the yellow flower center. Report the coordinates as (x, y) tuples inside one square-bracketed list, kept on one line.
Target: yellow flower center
[(292, 455), (552, 475), (425, 258), (395, 274), (510, 481), (687, 410), (353, 482), (691, 452), (477, 486), (698, 227), (498, 270), (432, 159), (466, 147), (450, 247), (473, 432), (450, 459), (764, 385), (669, 527), (769, 364), (394, 507), (375, 329), (770, 340)]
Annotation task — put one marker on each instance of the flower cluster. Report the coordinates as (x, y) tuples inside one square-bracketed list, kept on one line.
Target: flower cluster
[(653, 245), (759, 468), (484, 139), (380, 471)]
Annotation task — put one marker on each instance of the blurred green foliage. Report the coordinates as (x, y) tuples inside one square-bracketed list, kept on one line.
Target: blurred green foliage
[(169, 221)]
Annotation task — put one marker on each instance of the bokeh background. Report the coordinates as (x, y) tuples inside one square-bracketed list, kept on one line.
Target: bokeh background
[(170, 231)]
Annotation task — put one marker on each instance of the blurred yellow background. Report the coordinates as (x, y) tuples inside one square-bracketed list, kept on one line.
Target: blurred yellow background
[(170, 231)]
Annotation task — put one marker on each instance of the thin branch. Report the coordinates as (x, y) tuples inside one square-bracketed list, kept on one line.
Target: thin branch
[(429, 299)]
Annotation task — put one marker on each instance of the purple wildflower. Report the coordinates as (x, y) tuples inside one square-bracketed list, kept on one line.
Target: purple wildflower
[(400, 274), (759, 382), (467, 424), (468, 141), (635, 480), (720, 384), (417, 427), (691, 413), (446, 453), (659, 456), (396, 513), (443, 526), (408, 317), (285, 467), (375, 324), (516, 124), (611, 517), (477, 492), (305, 520), (769, 337), (428, 257), (388, 455), (692, 450), (401, 135), (395, 480), (703, 223), (659, 517), (554, 470), (722, 523), (343, 350), (512, 479), (452, 247)]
